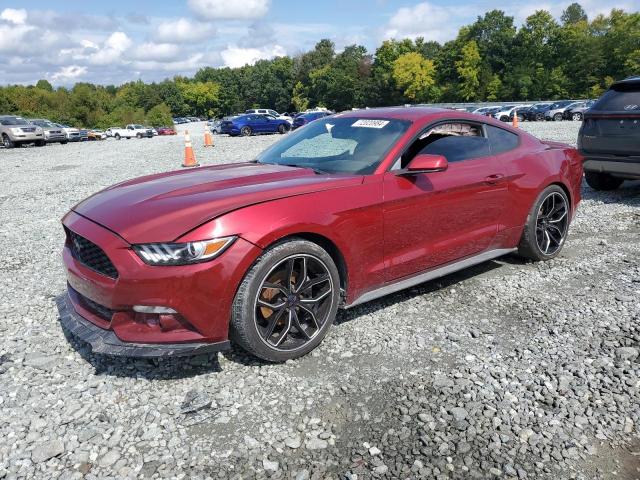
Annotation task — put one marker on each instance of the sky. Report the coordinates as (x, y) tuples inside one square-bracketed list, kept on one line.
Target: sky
[(115, 41)]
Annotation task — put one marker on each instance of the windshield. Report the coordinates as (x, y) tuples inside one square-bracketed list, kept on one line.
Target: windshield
[(338, 145), (13, 121), (42, 123)]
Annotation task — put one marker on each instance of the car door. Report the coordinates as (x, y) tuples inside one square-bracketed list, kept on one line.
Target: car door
[(431, 219), (259, 124)]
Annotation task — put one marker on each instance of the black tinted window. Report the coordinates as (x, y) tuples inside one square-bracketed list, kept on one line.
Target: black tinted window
[(457, 148), (619, 99), (501, 140)]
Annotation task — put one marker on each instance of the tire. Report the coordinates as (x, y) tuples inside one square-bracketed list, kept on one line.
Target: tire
[(520, 118), (279, 340), (40, 143), (547, 225), (577, 117), (117, 136), (504, 118), (63, 142), (245, 131), (557, 117), (7, 142), (539, 117), (602, 181), (282, 129), (138, 135)]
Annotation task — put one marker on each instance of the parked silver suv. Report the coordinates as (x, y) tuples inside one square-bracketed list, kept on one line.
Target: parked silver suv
[(15, 131), (52, 133)]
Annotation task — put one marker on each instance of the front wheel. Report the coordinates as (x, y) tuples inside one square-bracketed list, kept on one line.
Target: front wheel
[(576, 116), (547, 225), (245, 131), (139, 135), (117, 136), (7, 142), (287, 302), (602, 181), (40, 143), (557, 117), (282, 129), (539, 117), (64, 142)]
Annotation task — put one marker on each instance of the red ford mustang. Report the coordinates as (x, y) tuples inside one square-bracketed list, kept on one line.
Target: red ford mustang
[(350, 208)]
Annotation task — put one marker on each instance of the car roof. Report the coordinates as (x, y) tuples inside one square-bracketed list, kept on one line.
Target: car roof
[(627, 81)]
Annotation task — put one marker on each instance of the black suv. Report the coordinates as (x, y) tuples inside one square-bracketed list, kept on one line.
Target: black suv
[(609, 138)]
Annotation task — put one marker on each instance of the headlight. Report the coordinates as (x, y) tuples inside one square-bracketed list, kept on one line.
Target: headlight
[(182, 253), (16, 131)]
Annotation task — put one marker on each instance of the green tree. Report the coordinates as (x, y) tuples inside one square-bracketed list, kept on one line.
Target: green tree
[(160, 116), (468, 68), (299, 99), (415, 75), (201, 97), (44, 85), (574, 13)]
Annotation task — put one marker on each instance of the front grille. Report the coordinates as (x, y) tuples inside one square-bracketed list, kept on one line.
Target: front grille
[(28, 129), (91, 255)]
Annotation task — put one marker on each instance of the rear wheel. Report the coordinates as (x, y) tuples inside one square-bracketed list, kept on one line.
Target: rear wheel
[(539, 117), (7, 142), (282, 129), (64, 142), (117, 136), (139, 135), (557, 117), (40, 143), (245, 131), (576, 116), (547, 225), (287, 302), (602, 181)]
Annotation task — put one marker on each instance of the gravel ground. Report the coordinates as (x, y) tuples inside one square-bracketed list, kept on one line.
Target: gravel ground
[(507, 370)]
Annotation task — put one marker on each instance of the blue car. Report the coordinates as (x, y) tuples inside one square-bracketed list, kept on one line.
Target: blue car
[(304, 118), (253, 124)]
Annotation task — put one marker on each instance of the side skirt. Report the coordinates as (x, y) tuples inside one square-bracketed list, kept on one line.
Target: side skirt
[(430, 275)]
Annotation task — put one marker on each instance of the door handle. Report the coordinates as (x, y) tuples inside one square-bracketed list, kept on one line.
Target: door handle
[(493, 179)]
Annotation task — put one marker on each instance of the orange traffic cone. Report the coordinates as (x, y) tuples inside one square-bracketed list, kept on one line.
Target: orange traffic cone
[(208, 140), (515, 120), (189, 157)]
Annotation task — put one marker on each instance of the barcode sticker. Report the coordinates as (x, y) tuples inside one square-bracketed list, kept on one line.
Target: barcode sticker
[(367, 123)]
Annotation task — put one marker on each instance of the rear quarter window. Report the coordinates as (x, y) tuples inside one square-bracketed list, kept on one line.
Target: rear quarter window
[(619, 99), (501, 140)]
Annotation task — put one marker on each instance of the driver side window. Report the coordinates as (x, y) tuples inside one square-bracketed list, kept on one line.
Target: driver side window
[(456, 141)]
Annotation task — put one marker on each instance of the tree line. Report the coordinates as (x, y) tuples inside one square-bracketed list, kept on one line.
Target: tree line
[(490, 60)]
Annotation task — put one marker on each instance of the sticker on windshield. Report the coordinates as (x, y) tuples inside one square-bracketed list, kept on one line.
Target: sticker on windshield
[(370, 123)]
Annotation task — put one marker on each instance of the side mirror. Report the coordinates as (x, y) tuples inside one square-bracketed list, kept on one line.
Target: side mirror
[(426, 163)]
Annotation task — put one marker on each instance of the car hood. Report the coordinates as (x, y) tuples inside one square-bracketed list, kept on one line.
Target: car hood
[(163, 207)]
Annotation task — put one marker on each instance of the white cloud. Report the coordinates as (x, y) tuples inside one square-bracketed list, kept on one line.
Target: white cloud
[(13, 38), (155, 51), (234, 56), (12, 15), (183, 31), (230, 10), (112, 50), (68, 73), (432, 22)]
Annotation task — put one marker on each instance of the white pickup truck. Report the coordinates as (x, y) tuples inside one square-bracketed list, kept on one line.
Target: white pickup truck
[(130, 131)]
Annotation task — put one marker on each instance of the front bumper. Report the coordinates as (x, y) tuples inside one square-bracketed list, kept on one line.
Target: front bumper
[(25, 137), (107, 342), (201, 294), (56, 138)]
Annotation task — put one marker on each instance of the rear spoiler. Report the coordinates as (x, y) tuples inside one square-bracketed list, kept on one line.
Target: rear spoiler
[(554, 144)]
